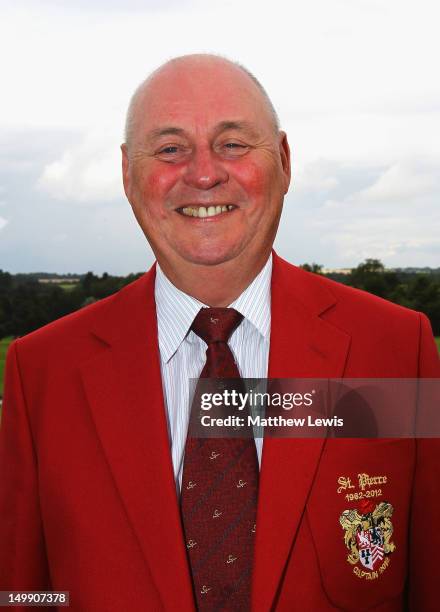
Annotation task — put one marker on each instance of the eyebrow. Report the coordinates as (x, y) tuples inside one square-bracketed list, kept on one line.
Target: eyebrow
[(223, 126), (243, 126), (165, 131)]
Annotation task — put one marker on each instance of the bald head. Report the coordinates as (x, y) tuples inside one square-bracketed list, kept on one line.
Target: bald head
[(190, 71)]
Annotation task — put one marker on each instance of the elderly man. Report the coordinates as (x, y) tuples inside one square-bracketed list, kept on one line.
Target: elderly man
[(93, 441)]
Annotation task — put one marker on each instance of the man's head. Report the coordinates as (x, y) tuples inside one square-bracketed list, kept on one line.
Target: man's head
[(202, 135)]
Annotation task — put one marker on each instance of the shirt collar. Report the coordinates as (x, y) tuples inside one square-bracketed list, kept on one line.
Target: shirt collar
[(176, 310)]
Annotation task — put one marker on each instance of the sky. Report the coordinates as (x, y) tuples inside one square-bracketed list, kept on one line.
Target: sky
[(355, 83)]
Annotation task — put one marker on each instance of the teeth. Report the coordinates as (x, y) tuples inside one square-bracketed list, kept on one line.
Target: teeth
[(201, 211)]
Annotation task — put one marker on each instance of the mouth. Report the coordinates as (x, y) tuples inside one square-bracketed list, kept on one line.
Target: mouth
[(203, 212)]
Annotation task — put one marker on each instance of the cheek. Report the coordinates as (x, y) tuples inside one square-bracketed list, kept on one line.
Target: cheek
[(254, 179), (159, 182), (156, 185)]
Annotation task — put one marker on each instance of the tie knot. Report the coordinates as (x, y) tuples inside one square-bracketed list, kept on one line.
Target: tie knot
[(216, 324)]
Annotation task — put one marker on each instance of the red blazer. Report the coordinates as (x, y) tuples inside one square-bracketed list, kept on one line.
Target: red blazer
[(87, 494)]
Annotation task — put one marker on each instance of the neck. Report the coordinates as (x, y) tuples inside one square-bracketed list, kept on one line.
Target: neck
[(218, 285)]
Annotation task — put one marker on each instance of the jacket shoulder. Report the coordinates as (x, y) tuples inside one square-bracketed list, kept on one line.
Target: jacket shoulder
[(383, 336), (352, 303), (72, 328)]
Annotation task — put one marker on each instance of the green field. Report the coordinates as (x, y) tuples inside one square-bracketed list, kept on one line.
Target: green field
[(68, 286), (4, 343)]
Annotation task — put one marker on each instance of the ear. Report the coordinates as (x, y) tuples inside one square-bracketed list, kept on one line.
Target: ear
[(285, 158), (125, 170)]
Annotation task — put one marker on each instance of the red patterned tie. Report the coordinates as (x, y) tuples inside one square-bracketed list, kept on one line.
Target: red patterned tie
[(220, 489)]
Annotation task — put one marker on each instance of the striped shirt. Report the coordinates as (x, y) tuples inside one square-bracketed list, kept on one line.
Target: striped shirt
[(183, 353)]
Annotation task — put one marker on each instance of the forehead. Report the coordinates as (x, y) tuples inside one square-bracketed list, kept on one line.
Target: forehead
[(200, 97)]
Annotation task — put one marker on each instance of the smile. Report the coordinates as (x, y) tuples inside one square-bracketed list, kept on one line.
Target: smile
[(201, 211)]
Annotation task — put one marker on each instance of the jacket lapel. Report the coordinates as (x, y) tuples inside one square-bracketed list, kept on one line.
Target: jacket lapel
[(124, 389), (303, 345)]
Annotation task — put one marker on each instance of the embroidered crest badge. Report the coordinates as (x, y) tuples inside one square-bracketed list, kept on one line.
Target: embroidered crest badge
[(368, 533)]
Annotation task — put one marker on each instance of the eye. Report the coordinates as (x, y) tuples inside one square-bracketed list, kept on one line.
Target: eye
[(170, 149), (171, 153), (234, 149)]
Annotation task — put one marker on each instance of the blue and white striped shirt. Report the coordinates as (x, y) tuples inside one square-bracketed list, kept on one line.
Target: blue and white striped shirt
[(183, 353)]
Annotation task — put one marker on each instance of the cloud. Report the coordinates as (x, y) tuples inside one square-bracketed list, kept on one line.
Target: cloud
[(360, 119), (396, 215), (121, 6), (317, 177), (3, 222), (87, 173), (403, 181), (389, 212)]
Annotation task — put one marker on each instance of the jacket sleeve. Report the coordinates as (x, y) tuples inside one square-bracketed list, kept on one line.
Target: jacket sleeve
[(23, 564), (424, 569)]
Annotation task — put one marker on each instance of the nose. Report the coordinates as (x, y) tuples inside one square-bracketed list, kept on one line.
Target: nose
[(204, 171)]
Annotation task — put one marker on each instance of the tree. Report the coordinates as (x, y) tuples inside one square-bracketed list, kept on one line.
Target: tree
[(371, 276), (314, 267)]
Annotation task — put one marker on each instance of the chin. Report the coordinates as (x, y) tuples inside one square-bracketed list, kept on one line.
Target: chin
[(211, 256)]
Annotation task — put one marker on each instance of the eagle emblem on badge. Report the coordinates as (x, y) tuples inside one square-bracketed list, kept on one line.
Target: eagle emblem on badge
[(368, 532)]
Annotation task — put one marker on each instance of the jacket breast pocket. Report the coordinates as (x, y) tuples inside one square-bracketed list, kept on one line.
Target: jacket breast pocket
[(358, 512)]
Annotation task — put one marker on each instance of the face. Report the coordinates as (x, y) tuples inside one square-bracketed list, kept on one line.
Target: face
[(205, 171)]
